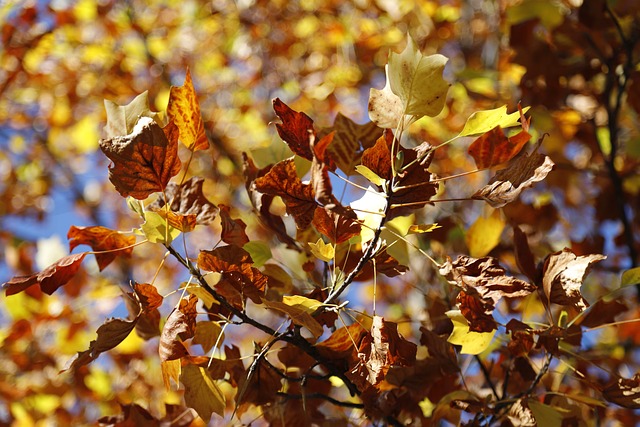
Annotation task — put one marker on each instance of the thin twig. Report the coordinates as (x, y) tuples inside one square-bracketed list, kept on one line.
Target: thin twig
[(323, 397)]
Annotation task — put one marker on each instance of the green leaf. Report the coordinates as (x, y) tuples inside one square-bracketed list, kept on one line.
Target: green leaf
[(545, 415), (155, 229), (121, 119), (471, 342), (201, 393), (483, 121), (371, 176), (630, 277), (323, 251), (260, 252), (417, 80)]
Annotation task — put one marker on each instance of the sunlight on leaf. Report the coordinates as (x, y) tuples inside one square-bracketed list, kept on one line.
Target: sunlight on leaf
[(630, 277), (201, 393), (184, 110), (471, 342), (155, 229), (323, 251), (260, 252), (121, 119), (423, 228), (484, 234), (370, 175), (483, 121)]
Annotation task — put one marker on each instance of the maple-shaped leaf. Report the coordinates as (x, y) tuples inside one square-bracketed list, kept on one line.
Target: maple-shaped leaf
[(188, 199), (562, 277), (349, 140), (485, 280), (236, 266), (508, 183), (494, 147), (109, 242), (296, 129), (184, 111), (233, 230), (144, 160), (383, 348), (121, 119), (110, 334), (378, 157), (624, 392), (180, 326), (337, 228), (50, 279), (282, 180), (201, 393), (262, 202)]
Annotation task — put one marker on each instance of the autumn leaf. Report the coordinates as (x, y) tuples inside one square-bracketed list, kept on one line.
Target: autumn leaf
[(282, 180), (299, 315), (508, 183), (201, 393), (343, 343), (179, 222), (101, 239), (562, 277), (624, 392), (50, 279), (296, 129), (121, 119), (524, 256), (180, 326), (323, 251), (188, 199), (471, 342), (144, 160), (483, 121), (494, 148), (233, 230), (184, 111), (484, 234), (148, 296), (208, 334), (385, 107), (110, 334), (337, 228)]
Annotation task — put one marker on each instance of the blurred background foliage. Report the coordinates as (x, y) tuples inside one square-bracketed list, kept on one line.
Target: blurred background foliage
[(568, 59)]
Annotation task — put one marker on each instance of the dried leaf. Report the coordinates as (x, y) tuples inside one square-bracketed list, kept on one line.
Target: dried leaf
[(110, 334), (121, 119), (508, 183), (299, 314), (378, 157), (114, 243), (562, 277), (201, 393), (144, 160), (148, 296), (624, 392), (180, 326), (603, 312), (282, 180), (524, 256), (50, 279), (385, 107), (208, 334), (233, 230), (296, 129), (337, 228), (343, 343), (188, 199), (184, 111), (494, 148)]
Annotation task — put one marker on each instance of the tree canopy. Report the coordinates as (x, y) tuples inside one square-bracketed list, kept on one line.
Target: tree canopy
[(300, 213)]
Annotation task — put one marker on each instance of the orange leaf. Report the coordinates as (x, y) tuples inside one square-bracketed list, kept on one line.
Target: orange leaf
[(296, 129), (49, 279), (180, 325), (101, 239), (338, 228), (282, 180), (184, 111), (232, 229), (148, 296), (143, 161), (494, 148), (188, 199), (378, 157)]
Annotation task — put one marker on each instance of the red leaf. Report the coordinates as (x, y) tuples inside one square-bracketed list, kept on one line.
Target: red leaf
[(494, 148), (50, 279), (188, 199), (112, 242), (296, 129), (143, 161)]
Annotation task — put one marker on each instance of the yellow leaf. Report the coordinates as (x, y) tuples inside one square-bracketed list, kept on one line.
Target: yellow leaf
[(299, 314), (170, 371), (208, 334), (370, 175), (201, 393), (306, 304), (423, 228), (471, 342), (184, 110), (483, 121), (323, 251), (484, 235), (155, 229)]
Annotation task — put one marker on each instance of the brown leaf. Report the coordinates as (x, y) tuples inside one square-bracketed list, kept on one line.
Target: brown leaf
[(624, 392), (494, 148), (349, 140), (282, 180), (343, 344), (144, 160), (262, 203), (508, 183), (235, 264), (524, 257), (233, 230), (296, 129), (184, 111), (485, 280), (49, 279), (148, 296), (603, 312), (521, 338), (114, 243), (188, 199), (110, 334), (378, 157), (180, 326), (262, 388), (562, 277), (298, 316), (477, 311), (337, 228)]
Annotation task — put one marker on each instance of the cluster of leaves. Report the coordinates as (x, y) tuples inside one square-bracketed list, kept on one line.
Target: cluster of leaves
[(352, 307)]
